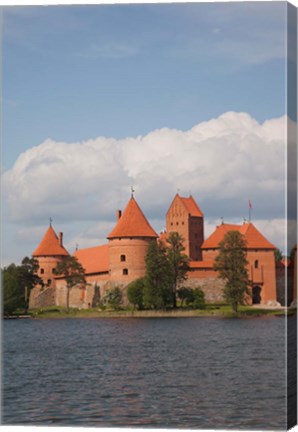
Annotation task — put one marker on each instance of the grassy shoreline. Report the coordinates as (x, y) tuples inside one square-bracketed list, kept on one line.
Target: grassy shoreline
[(216, 311)]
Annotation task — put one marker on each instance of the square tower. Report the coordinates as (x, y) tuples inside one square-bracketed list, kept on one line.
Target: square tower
[(185, 217)]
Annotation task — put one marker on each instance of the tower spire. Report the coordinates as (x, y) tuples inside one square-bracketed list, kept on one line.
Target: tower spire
[(249, 210), (50, 220), (132, 191)]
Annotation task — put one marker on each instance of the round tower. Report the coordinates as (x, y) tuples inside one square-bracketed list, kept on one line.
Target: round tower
[(128, 244), (49, 252)]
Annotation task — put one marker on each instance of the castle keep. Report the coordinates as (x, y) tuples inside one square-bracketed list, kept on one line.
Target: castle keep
[(122, 259)]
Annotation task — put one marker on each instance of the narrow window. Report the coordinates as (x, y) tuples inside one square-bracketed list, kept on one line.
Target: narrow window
[(256, 264), (122, 258), (53, 271), (41, 271), (182, 223), (125, 272), (177, 223), (49, 281)]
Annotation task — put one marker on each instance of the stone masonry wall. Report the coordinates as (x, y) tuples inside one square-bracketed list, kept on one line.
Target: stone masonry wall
[(42, 297), (211, 286)]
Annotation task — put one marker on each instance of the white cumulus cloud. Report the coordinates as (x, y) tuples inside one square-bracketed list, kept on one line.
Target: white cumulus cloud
[(222, 162)]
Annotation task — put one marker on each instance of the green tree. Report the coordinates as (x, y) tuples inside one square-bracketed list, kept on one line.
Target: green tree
[(13, 294), (178, 263), (292, 253), (278, 255), (73, 273), (231, 263), (113, 298), (135, 293), (28, 278), (18, 281), (158, 283)]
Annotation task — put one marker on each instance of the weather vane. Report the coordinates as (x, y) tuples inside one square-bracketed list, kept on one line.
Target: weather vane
[(132, 191), (51, 220)]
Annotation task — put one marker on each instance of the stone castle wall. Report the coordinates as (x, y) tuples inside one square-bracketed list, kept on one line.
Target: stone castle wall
[(42, 297), (211, 286)]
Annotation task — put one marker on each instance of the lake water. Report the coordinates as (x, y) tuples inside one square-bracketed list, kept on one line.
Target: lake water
[(166, 372)]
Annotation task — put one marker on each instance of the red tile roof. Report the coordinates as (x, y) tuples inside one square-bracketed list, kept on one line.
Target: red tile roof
[(201, 264), (50, 245), (94, 259), (191, 206), (132, 223), (253, 237)]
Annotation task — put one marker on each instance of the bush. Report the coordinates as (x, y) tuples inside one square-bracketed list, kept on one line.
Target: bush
[(135, 293), (194, 298), (186, 294), (113, 298), (199, 299)]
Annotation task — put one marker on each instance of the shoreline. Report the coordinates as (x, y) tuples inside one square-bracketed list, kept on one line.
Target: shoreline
[(245, 312)]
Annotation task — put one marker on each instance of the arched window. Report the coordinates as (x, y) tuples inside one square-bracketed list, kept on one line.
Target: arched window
[(256, 263), (122, 258), (125, 272), (41, 271), (49, 281)]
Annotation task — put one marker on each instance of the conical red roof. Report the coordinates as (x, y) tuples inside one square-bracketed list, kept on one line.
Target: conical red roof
[(132, 223), (50, 245)]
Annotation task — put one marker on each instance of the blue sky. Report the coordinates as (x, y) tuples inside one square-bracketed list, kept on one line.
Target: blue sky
[(76, 73)]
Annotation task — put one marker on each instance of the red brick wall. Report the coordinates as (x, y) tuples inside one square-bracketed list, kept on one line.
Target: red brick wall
[(100, 277), (263, 276), (209, 254), (134, 250), (46, 266), (196, 237), (202, 274), (191, 228)]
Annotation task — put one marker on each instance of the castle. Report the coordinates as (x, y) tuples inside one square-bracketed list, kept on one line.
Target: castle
[(122, 259)]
